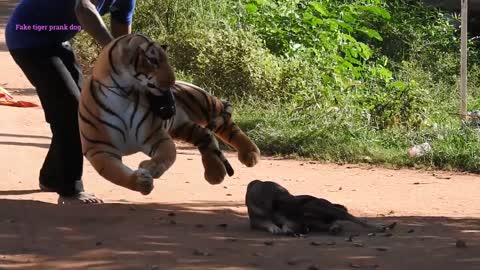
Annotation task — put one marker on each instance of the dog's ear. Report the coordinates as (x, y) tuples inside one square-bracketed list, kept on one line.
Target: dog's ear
[(164, 47)]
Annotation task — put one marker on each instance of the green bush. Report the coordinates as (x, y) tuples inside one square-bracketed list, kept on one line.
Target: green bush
[(228, 63)]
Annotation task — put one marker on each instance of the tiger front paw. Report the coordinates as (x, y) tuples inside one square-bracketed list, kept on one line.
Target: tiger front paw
[(143, 181), (215, 170), (153, 168)]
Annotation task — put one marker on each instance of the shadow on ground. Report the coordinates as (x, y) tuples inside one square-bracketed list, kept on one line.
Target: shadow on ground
[(24, 136), (12, 140), (22, 91), (211, 235), (6, 7), (40, 145)]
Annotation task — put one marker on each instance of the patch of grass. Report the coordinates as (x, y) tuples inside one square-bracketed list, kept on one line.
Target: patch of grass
[(453, 145)]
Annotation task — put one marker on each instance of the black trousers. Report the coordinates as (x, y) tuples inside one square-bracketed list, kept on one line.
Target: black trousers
[(54, 73)]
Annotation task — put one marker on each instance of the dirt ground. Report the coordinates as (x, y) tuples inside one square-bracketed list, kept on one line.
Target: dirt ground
[(185, 223)]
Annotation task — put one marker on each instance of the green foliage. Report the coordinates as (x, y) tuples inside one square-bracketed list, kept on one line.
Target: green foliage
[(158, 19), (338, 39), (86, 50), (227, 63), (415, 30)]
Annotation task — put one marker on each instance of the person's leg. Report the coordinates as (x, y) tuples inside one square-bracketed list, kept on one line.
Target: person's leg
[(68, 134), (46, 70), (76, 155), (51, 171), (48, 174)]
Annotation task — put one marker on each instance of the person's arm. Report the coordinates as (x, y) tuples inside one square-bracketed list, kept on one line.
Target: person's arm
[(120, 29), (121, 14), (91, 22)]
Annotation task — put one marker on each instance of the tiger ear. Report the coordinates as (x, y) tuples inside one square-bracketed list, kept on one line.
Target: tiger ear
[(164, 47)]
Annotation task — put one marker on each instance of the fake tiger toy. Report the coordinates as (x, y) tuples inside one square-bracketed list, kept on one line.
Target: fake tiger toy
[(132, 103)]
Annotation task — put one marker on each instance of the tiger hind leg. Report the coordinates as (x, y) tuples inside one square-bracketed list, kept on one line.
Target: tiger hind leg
[(214, 162), (162, 151), (230, 133), (110, 166)]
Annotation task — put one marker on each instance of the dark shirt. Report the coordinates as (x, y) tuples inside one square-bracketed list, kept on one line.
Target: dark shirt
[(43, 23)]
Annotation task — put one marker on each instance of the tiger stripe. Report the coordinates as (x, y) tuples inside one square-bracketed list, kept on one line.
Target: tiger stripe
[(112, 49)]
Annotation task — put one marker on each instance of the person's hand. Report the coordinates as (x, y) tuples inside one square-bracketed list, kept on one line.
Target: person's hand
[(91, 21)]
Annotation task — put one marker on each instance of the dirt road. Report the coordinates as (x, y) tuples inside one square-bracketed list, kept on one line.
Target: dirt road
[(185, 223)]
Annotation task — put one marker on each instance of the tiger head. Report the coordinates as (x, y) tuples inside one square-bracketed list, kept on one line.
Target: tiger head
[(137, 63), (152, 69), (157, 77)]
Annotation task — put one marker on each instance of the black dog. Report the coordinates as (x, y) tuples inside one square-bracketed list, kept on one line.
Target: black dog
[(272, 208)]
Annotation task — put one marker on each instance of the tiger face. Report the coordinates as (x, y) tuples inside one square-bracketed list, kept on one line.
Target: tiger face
[(157, 77), (152, 68), (136, 63)]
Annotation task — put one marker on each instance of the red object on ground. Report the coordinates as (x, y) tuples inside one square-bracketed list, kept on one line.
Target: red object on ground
[(8, 100)]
